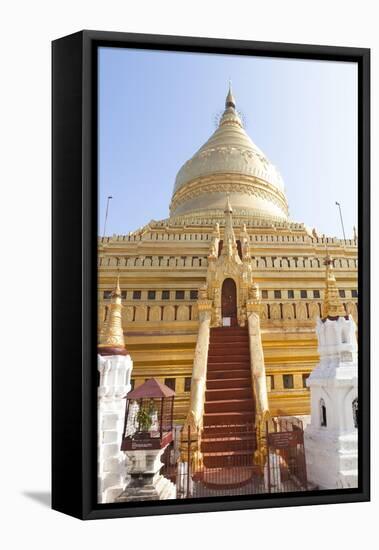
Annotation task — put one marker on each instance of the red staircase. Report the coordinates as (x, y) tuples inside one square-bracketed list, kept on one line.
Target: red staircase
[(228, 438)]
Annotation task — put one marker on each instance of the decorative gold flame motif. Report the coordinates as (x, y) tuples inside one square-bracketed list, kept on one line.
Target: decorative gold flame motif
[(332, 306), (112, 334), (230, 244)]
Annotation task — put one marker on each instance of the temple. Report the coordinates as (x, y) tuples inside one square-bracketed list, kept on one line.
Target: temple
[(220, 299)]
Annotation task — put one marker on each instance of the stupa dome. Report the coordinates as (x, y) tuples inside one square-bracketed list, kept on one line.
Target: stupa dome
[(229, 162)]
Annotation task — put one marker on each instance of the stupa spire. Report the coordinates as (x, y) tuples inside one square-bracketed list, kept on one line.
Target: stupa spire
[(332, 306), (230, 101), (230, 115), (112, 336)]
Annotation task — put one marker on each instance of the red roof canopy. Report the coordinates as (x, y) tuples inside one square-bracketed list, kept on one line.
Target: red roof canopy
[(151, 388)]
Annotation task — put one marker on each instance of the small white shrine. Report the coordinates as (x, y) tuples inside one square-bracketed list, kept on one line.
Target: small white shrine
[(115, 367), (331, 439)]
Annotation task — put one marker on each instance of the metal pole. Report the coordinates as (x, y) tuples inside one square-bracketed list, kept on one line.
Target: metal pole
[(343, 228), (188, 459), (161, 420), (268, 460), (106, 214)]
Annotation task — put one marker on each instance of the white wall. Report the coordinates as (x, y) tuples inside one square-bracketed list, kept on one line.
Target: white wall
[(27, 29)]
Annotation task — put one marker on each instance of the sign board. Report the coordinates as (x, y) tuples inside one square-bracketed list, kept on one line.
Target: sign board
[(281, 440)]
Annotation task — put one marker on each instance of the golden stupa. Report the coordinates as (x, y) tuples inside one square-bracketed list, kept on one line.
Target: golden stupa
[(170, 271)]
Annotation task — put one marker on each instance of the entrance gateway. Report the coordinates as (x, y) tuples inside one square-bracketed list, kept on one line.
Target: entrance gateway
[(229, 303)]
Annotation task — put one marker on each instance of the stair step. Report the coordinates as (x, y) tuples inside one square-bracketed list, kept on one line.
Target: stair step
[(229, 350), (221, 330), (236, 365), (228, 446), (228, 358), (228, 437), (221, 374), (234, 340), (225, 431), (232, 333), (228, 459), (229, 366), (212, 359), (225, 444), (222, 418), (231, 405), (214, 345), (228, 393), (229, 383), (217, 330)]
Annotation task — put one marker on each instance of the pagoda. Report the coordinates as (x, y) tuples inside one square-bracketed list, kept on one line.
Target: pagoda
[(227, 257)]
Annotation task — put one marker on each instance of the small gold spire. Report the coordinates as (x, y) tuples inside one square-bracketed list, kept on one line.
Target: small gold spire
[(332, 306), (116, 292), (112, 335)]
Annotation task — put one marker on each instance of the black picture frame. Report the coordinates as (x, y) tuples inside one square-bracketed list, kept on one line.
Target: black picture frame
[(74, 271)]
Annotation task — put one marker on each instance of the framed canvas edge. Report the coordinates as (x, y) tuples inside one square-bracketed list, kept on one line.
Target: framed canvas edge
[(67, 364), (83, 378)]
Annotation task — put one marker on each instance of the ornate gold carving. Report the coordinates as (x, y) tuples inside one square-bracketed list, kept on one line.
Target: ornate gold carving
[(169, 313), (288, 312), (155, 313), (275, 312), (301, 311), (141, 313), (128, 313), (251, 186), (182, 313), (244, 238), (314, 311), (263, 425), (213, 252)]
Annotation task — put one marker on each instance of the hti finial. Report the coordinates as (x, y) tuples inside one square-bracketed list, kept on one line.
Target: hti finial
[(230, 101)]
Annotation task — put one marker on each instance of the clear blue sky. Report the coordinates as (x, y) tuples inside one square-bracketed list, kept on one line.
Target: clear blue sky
[(157, 108)]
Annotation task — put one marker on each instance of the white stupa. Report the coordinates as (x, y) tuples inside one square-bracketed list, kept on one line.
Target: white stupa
[(331, 439)]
